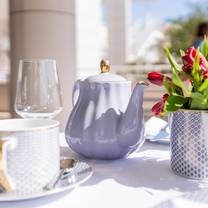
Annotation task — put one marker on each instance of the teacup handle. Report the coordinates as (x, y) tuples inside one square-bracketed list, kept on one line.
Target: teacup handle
[(6, 144), (75, 93)]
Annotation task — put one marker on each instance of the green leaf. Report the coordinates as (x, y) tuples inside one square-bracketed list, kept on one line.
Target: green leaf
[(205, 47), (205, 93), (177, 81), (171, 88), (171, 60), (174, 103), (203, 86), (182, 52), (175, 71), (198, 102), (197, 95), (168, 85), (196, 63), (195, 72), (184, 75)]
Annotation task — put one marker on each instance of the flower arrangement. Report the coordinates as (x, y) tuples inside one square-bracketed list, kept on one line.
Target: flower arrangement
[(187, 88)]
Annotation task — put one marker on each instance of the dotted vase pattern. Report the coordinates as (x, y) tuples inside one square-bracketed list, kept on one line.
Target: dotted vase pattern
[(189, 144), (35, 160)]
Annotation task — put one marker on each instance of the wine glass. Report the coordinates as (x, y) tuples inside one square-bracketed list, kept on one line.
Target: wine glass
[(38, 92)]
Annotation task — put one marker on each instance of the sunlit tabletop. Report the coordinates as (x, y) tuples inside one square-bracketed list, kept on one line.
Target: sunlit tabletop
[(142, 180)]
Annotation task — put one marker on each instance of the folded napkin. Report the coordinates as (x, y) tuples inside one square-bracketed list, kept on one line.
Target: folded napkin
[(157, 130)]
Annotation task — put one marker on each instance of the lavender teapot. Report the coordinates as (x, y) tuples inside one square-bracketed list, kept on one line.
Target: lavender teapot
[(106, 121)]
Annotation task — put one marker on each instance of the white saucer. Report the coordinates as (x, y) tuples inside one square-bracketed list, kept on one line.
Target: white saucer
[(81, 172)]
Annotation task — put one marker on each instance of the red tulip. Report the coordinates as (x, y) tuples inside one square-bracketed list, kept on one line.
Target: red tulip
[(188, 60), (158, 108), (156, 78), (205, 74)]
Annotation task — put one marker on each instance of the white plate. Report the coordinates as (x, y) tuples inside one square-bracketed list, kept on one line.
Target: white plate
[(157, 130), (163, 138), (81, 173)]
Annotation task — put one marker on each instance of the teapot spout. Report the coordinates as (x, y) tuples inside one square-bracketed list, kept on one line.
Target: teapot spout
[(131, 127)]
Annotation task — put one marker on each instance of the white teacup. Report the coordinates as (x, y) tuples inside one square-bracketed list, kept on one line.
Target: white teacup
[(29, 153)]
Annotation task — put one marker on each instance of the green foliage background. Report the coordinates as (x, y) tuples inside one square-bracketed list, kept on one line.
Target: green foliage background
[(182, 34)]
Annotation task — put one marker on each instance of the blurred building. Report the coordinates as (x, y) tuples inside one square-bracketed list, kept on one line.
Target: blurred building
[(101, 35), (107, 30), (78, 34), (88, 35)]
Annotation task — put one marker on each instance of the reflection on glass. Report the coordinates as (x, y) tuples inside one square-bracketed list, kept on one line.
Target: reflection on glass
[(38, 92)]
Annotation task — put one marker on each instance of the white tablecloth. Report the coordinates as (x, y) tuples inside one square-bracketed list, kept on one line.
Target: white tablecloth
[(142, 180)]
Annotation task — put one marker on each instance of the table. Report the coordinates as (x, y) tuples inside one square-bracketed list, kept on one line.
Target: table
[(143, 180)]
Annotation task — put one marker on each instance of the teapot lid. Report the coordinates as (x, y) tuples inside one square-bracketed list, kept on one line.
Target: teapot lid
[(105, 75)]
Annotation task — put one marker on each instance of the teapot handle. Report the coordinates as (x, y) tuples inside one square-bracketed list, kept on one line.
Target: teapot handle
[(75, 93)]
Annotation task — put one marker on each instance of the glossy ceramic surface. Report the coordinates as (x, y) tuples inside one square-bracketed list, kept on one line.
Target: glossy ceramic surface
[(34, 158), (106, 121), (189, 144)]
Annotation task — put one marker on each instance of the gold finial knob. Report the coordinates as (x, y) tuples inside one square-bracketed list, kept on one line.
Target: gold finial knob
[(104, 66)]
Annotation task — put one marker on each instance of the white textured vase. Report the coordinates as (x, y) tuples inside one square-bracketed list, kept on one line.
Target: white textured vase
[(189, 144)]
